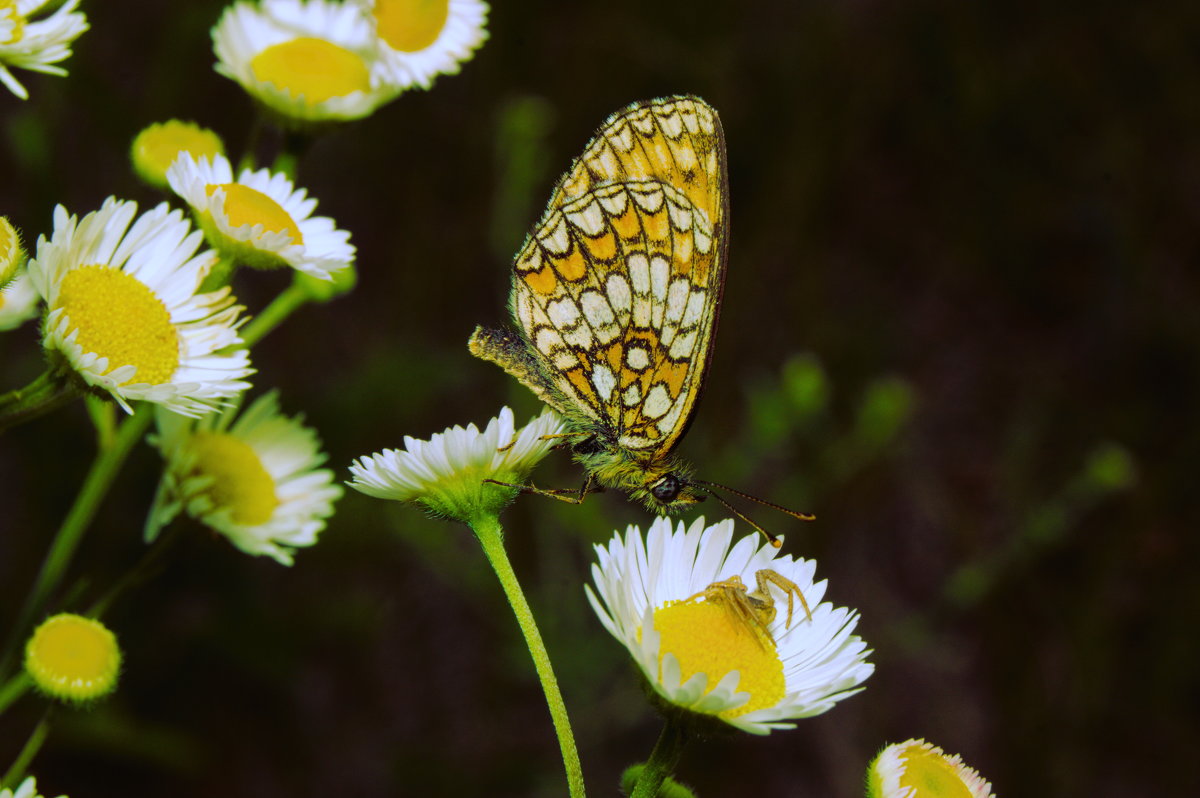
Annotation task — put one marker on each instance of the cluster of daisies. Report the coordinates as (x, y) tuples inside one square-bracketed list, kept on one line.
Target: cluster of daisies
[(128, 313), (137, 307), (307, 60), (323, 60)]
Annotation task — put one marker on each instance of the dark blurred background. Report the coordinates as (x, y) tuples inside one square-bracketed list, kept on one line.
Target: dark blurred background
[(959, 325)]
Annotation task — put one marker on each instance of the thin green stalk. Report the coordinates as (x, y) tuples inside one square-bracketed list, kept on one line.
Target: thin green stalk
[(49, 391), (487, 529), (34, 744), (95, 487), (288, 300), (663, 759), (13, 689), (104, 418)]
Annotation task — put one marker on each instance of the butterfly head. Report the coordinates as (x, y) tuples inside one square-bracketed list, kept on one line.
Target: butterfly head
[(669, 492)]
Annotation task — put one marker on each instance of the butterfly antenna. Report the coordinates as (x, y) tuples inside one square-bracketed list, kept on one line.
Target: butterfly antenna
[(773, 505), (774, 540)]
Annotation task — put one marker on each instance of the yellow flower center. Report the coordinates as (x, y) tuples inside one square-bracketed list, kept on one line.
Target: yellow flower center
[(705, 636), (73, 657), (931, 774), (411, 25), (312, 69), (119, 318), (245, 205), (157, 147), (240, 483), (8, 11)]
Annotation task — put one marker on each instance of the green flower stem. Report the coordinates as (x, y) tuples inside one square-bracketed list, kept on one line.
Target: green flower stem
[(13, 689), (288, 300), (95, 487), (663, 759), (48, 392), (487, 529), (34, 744)]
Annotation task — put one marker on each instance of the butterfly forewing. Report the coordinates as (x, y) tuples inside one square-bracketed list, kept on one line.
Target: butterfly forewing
[(677, 140)]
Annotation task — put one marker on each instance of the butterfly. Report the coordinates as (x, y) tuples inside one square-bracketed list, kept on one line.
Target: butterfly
[(616, 295)]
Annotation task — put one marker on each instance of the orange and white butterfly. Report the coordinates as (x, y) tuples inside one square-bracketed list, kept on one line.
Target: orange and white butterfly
[(616, 295)]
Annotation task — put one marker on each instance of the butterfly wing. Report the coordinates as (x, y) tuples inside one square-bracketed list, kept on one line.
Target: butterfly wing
[(616, 293)]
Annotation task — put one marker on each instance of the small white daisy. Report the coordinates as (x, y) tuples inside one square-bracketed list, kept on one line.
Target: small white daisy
[(260, 219), (36, 44), (715, 647), (26, 789), (255, 480), (446, 473), (422, 40), (306, 60), (18, 301), (123, 313), (917, 769)]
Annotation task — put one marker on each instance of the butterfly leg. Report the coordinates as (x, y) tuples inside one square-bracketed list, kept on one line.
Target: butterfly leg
[(560, 436), (569, 495)]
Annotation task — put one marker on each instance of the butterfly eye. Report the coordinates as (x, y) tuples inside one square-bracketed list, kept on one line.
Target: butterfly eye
[(666, 489)]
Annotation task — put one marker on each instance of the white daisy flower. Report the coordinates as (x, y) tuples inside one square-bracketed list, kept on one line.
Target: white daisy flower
[(306, 60), (123, 313), (18, 301), (26, 789), (693, 614), (422, 40), (917, 769), (255, 480), (36, 44), (446, 473), (260, 219)]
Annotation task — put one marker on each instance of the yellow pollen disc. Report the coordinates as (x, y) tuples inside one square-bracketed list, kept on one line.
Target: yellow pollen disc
[(312, 69), (8, 10), (411, 25), (158, 145), (121, 319), (240, 483), (931, 774), (245, 205), (73, 657), (706, 637)]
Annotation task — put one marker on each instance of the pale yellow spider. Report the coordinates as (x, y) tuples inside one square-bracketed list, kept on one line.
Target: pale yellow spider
[(756, 610)]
